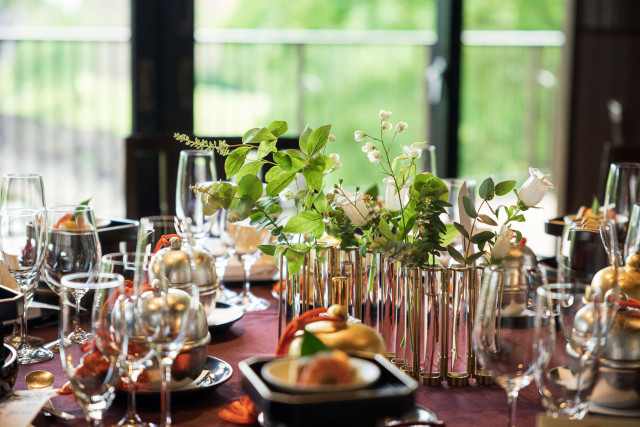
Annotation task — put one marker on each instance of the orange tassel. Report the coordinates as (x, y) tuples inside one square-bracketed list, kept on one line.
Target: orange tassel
[(241, 411), (632, 303), (164, 241)]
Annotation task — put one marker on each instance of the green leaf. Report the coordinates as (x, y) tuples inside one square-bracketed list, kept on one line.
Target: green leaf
[(250, 186), (272, 173), (279, 183), (486, 219), (474, 257), (504, 187), (267, 249), (283, 159), (313, 177), (242, 209), (319, 231), (249, 133), (280, 250), (461, 229), (235, 161), (486, 190), (318, 139), (311, 345), (482, 236), (518, 236), (455, 254), (595, 206), (250, 168), (320, 202), (304, 222), (297, 161), (304, 139), (278, 128), (258, 135), (325, 161), (373, 191), (385, 229), (79, 209), (295, 259), (468, 207), (449, 236), (266, 147)]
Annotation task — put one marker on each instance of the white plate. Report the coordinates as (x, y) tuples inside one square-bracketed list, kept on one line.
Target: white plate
[(277, 373), (594, 408), (224, 316), (102, 222)]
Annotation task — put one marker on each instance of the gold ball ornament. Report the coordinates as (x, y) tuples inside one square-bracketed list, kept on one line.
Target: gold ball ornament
[(628, 278)]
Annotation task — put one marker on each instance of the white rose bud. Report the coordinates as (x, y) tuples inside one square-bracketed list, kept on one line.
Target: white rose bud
[(332, 138), (354, 207), (286, 195), (384, 115), (500, 248), (393, 200), (368, 147), (375, 157), (534, 188), (401, 127), (385, 125), (359, 135)]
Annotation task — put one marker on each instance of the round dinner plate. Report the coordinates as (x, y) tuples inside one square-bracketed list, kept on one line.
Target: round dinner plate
[(223, 317), (277, 372)]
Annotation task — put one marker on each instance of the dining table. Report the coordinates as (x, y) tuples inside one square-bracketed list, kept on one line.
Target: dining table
[(256, 334)]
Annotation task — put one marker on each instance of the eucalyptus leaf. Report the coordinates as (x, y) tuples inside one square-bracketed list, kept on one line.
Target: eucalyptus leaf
[(487, 189), (486, 219), (455, 254), (504, 187), (468, 207), (461, 229), (482, 236)]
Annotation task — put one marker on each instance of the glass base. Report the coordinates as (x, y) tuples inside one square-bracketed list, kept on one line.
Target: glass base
[(133, 421), (249, 302), (225, 294), (28, 355), (54, 346)]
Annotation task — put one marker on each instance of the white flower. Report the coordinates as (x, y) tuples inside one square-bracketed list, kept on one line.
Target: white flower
[(353, 206), (332, 138), (385, 125), (286, 195), (394, 200), (534, 188), (500, 248), (359, 135), (368, 147), (412, 152), (401, 127), (384, 115), (374, 156), (336, 161)]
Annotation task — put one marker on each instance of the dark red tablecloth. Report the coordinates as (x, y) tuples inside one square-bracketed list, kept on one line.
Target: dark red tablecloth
[(256, 334)]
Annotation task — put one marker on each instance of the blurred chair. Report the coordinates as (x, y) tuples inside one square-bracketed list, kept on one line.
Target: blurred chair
[(151, 168)]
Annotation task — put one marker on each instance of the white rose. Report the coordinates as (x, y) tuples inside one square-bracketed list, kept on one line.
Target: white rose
[(368, 147), (336, 161), (286, 195), (353, 206), (385, 125), (359, 135), (534, 188), (393, 200), (500, 248), (384, 115), (374, 156), (401, 127)]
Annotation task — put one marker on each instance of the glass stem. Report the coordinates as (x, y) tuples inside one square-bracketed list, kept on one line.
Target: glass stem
[(247, 272), (165, 399), (512, 397), (131, 396), (23, 330)]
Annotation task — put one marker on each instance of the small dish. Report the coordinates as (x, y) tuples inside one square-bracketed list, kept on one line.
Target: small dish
[(102, 222), (277, 372), (594, 408), (223, 317)]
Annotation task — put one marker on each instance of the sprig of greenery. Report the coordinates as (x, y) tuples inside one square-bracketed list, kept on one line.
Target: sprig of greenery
[(221, 146)]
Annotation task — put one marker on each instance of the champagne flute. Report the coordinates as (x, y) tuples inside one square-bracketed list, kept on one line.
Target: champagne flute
[(621, 193), (21, 243), (93, 367), (502, 335), (21, 190), (72, 247), (243, 240), (195, 168), (139, 352), (165, 310)]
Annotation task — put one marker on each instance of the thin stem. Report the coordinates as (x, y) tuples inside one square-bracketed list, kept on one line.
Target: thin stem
[(165, 396), (23, 330), (512, 397)]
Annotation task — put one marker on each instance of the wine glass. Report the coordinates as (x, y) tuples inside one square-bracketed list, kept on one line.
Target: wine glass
[(93, 367), (503, 331), (21, 190), (139, 352), (195, 168), (566, 367), (72, 247), (21, 243), (621, 193), (632, 241), (165, 310), (242, 240)]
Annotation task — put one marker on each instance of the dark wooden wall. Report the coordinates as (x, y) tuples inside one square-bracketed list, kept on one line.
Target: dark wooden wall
[(606, 66)]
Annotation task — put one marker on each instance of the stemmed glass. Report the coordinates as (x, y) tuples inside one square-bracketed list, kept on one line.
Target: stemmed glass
[(503, 331), (93, 367), (195, 168), (21, 191), (242, 240), (72, 247), (622, 192), (139, 352), (165, 310)]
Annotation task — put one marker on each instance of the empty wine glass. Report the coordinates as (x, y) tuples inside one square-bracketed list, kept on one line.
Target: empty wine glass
[(632, 242), (93, 367), (622, 192), (139, 351), (165, 310), (242, 240), (503, 331), (195, 168), (72, 247), (21, 190), (21, 243)]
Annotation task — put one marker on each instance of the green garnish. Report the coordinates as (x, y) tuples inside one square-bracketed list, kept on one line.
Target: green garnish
[(311, 345), (79, 209)]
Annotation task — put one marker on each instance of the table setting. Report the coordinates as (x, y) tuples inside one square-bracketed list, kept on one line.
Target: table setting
[(274, 298)]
